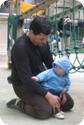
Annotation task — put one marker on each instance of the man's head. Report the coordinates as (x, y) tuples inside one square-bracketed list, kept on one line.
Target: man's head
[(39, 30)]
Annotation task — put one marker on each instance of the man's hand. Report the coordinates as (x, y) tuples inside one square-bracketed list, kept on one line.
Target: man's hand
[(63, 98), (54, 101), (62, 93)]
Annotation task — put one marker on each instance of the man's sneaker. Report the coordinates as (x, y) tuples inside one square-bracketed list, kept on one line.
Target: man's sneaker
[(13, 103), (60, 115)]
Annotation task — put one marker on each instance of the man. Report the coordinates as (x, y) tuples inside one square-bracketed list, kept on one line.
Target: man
[(29, 55)]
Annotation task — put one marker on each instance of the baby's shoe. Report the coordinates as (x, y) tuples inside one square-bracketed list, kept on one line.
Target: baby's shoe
[(60, 115)]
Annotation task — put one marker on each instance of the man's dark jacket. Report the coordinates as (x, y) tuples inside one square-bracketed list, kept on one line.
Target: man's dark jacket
[(27, 61)]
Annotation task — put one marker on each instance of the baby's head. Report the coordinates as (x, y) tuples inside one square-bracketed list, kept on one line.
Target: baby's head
[(62, 66)]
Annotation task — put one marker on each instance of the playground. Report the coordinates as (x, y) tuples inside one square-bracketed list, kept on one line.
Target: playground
[(66, 38)]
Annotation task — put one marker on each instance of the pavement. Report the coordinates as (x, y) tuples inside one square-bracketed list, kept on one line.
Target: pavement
[(13, 117)]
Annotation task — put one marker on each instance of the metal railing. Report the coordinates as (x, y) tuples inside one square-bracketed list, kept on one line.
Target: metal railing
[(67, 36)]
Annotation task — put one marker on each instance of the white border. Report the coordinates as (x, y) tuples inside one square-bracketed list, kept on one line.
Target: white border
[(2, 1), (82, 2)]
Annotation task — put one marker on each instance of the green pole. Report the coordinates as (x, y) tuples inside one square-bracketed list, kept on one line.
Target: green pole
[(63, 14), (71, 17), (74, 31), (56, 19), (78, 26)]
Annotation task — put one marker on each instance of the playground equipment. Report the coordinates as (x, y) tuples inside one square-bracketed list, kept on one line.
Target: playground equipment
[(65, 26), (72, 36)]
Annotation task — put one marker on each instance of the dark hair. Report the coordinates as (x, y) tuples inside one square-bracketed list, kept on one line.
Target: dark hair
[(40, 24)]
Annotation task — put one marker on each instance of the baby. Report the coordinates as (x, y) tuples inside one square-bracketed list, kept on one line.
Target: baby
[(56, 80)]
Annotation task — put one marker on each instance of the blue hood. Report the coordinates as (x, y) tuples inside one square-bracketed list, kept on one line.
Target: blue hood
[(64, 63)]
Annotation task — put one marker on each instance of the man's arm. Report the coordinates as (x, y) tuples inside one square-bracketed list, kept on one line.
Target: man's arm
[(68, 83), (47, 56), (66, 87), (22, 65)]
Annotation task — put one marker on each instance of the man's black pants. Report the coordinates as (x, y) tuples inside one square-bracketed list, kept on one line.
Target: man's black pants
[(37, 106)]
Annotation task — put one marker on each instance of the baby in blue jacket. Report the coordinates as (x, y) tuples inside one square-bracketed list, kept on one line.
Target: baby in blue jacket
[(56, 80)]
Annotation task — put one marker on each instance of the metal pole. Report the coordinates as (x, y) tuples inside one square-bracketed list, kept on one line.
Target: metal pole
[(18, 12)]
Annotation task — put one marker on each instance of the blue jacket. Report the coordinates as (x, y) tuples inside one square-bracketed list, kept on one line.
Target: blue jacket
[(51, 81)]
